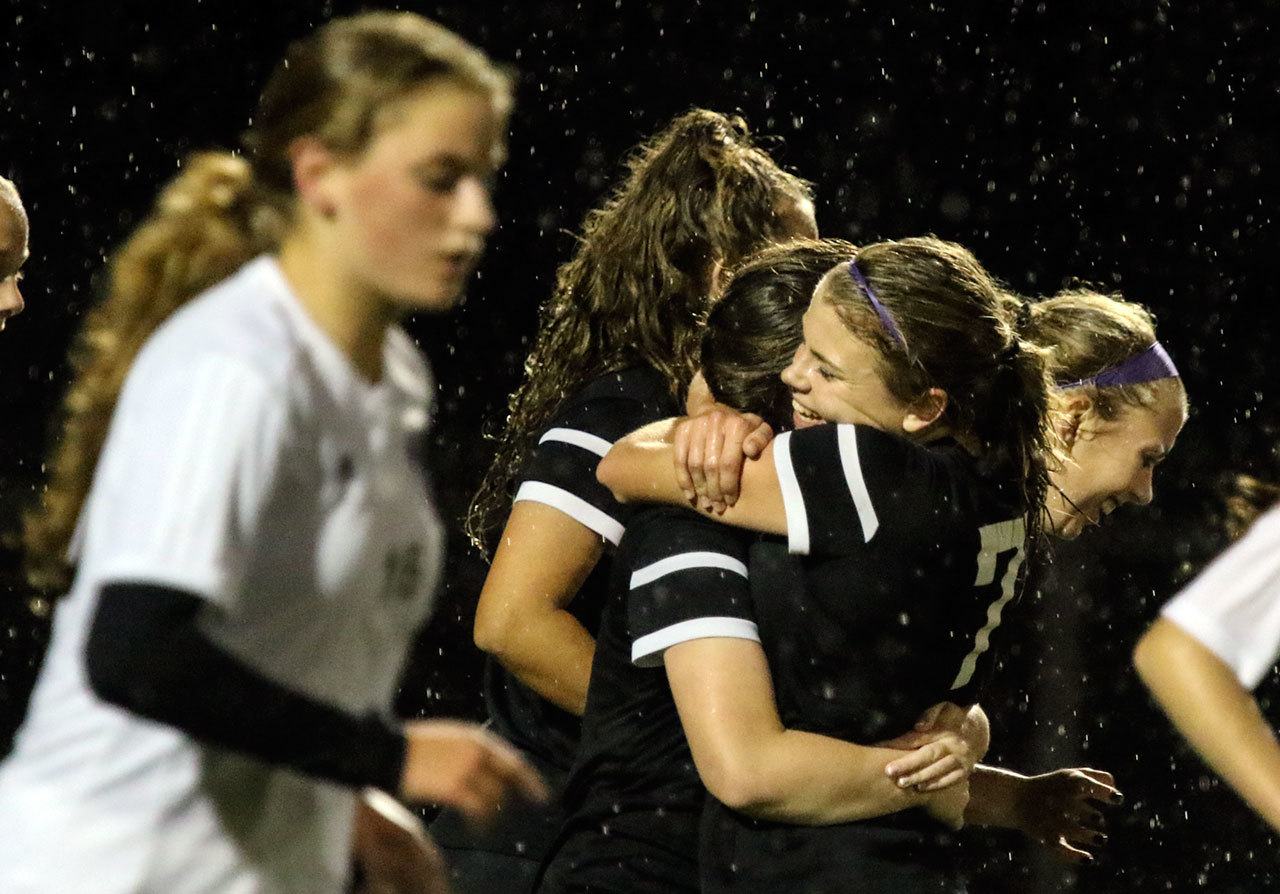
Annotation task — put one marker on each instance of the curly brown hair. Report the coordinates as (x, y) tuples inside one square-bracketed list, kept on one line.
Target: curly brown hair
[(635, 292), (221, 211)]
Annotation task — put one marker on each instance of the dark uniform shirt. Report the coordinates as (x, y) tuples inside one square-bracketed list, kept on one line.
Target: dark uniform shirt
[(899, 563), (561, 472), (912, 558), (634, 797)]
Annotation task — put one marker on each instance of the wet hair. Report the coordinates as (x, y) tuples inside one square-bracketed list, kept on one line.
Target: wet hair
[(1087, 332), (635, 291), (959, 333), (754, 328), (221, 211), (12, 214)]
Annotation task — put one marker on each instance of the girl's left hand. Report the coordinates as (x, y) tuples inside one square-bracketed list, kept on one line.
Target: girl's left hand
[(1061, 810), (395, 853)]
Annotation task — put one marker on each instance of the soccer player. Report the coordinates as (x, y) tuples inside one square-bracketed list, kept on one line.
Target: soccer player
[(238, 491), (14, 232), (1215, 642), (615, 350), (710, 646)]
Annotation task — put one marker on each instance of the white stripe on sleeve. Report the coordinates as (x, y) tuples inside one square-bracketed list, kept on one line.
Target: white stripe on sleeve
[(647, 650), (792, 498), (573, 506), (683, 562), (847, 438), (587, 441)]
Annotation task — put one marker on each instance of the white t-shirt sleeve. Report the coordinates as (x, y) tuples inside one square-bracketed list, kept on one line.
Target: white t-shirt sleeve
[(191, 454), (1233, 607)]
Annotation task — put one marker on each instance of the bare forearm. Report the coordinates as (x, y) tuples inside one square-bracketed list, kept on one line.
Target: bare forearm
[(993, 797), (1218, 716), (808, 779)]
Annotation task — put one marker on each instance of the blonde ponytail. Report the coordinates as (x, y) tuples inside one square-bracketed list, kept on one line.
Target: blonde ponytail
[(207, 222)]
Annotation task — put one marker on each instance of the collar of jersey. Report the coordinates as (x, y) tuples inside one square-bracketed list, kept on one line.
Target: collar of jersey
[(339, 373)]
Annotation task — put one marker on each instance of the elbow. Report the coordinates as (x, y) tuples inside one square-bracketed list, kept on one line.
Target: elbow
[(737, 784), (492, 630), (609, 472)]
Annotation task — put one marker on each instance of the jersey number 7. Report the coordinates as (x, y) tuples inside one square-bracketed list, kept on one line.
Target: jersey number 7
[(1000, 555)]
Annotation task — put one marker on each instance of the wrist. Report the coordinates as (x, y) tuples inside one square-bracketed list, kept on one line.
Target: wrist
[(390, 761)]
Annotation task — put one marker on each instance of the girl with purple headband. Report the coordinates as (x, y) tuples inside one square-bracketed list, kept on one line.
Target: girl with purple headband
[(1119, 405)]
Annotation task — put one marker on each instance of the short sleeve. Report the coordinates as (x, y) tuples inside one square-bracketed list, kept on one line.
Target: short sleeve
[(561, 472), (191, 455), (1233, 607), (687, 580), (829, 475)]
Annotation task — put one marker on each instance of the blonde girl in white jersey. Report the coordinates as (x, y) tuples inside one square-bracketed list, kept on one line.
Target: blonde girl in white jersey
[(239, 491)]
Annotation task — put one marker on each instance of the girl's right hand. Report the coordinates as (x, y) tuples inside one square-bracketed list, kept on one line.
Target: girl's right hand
[(945, 745), (710, 449), (460, 765), (939, 759)]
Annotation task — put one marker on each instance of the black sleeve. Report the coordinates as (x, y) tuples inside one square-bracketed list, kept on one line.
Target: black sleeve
[(146, 654), (840, 483), (561, 471), (687, 580)]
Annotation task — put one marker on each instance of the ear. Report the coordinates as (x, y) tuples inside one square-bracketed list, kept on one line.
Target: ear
[(313, 165), (1069, 411), (925, 410)]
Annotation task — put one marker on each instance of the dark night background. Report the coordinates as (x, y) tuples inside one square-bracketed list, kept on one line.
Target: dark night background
[(1126, 143)]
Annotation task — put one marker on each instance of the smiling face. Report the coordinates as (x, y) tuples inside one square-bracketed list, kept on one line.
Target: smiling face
[(1110, 462), (835, 376), (412, 211)]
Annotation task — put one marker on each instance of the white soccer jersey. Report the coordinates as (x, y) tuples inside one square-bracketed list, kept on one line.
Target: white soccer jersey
[(1233, 607), (248, 463)]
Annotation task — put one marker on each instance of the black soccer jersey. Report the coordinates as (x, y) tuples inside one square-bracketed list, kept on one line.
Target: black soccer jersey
[(912, 557), (902, 559), (561, 472), (634, 796)]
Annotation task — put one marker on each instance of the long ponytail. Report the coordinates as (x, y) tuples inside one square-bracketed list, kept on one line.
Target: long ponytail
[(206, 224)]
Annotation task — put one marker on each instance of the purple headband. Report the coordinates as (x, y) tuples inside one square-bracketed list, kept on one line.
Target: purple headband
[(1152, 364), (881, 311)]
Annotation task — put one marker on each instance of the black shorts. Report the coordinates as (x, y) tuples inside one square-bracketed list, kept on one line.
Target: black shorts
[(610, 860), (741, 856), (507, 854)]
